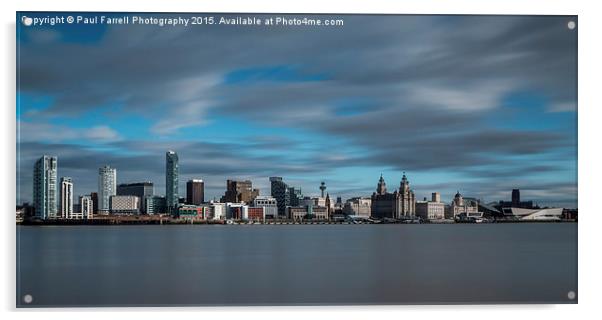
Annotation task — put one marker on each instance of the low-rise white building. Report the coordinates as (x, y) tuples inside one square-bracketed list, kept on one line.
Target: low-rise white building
[(269, 205), (219, 210), (430, 210), (360, 207), (546, 214), (236, 211), (302, 212)]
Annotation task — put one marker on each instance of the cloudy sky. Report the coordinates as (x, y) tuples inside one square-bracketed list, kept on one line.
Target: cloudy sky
[(479, 104)]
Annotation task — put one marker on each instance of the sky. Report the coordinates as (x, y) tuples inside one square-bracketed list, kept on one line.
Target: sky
[(475, 104)]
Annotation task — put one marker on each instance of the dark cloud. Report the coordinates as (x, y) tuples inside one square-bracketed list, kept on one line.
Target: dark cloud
[(427, 88), (145, 161)]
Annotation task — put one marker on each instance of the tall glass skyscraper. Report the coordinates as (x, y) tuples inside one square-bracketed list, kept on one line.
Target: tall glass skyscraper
[(171, 180), (107, 187), (44, 187), (280, 191)]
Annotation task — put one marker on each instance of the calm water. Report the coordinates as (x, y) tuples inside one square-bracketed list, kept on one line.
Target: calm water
[(296, 264)]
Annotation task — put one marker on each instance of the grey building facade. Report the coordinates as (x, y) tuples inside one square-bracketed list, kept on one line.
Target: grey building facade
[(279, 191), (107, 187), (397, 205), (155, 205), (138, 189), (45, 187)]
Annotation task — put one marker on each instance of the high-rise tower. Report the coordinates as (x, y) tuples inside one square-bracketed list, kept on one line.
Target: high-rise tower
[(407, 199), (171, 180), (66, 197), (381, 188), (280, 191), (44, 187), (107, 187), (515, 197), (195, 192), (322, 188)]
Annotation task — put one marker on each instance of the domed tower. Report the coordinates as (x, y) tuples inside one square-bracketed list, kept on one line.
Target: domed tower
[(381, 188), (407, 199), (458, 200), (404, 185)]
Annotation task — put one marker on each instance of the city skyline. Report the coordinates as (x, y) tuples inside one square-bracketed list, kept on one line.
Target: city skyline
[(480, 104), (186, 196)]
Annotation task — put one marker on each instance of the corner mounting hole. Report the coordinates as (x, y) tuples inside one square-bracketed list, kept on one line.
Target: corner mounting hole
[(571, 295), (571, 25), (27, 298)]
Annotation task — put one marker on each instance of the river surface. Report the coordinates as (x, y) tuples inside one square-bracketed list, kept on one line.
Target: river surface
[(177, 265)]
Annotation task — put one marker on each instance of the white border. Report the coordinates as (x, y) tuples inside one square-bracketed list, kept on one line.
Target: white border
[(589, 154)]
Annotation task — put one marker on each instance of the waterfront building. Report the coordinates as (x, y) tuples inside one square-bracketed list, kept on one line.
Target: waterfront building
[(464, 206), (337, 208), (399, 204), (236, 211), (269, 205), (296, 213), (155, 205), (490, 210), (86, 206), (44, 187), (107, 187), (94, 197), (219, 210), (430, 210), (406, 198), (295, 195), (171, 180), (195, 191), (300, 213), (240, 191), (66, 207), (255, 214), (279, 190), (317, 207), (436, 197), (138, 189), (313, 201), (191, 211), (285, 195), (208, 211), (358, 206), (124, 205), (25, 211), (318, 213), (546, 214)]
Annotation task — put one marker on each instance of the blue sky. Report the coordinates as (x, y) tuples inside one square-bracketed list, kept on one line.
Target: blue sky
[(479, 104)]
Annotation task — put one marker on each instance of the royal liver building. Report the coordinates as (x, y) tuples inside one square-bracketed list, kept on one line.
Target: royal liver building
[(397, 205)]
